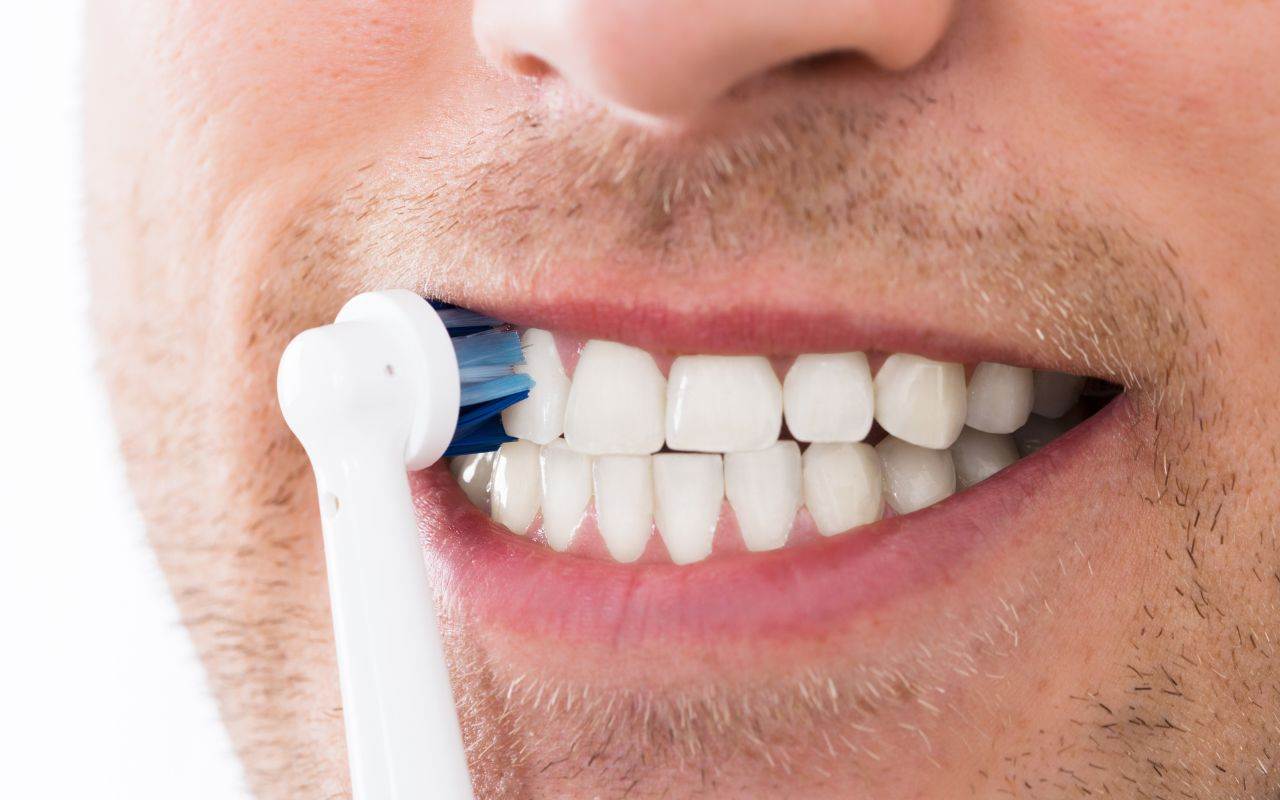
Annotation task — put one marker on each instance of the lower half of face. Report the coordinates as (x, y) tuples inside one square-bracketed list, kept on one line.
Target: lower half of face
[(893, 435)]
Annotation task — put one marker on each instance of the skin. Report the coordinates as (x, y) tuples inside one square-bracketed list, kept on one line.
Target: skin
[(1085, 186)]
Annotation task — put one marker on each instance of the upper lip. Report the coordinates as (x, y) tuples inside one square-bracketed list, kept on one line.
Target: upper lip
[(774, 318)]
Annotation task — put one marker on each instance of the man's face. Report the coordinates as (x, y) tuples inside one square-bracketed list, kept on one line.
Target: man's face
[(1090, 187)]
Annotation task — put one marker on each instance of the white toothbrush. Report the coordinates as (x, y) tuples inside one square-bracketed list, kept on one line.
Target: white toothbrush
[(371, 396)]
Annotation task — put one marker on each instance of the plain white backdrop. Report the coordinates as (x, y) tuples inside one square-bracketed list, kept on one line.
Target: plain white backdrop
[(102, 696)]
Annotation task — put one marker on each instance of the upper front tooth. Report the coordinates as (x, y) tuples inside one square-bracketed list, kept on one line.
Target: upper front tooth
[(915, 477), (1000, 397), (566, 490), (540, 417), (624, 504), (842, 486), (764, 490), (979, 455), (723, 404), (689, 491), (829, 398), (473, 473), (515, 486), (1056, 393), (921, 401), (617, 401)]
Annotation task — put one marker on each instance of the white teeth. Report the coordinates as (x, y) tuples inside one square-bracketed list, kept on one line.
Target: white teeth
[(723, 404), (566, 490), (979, 455), (1000, 397), (921, 401), (617, 401), (472, 473), (915, 477), (689, 491), (624, 504), (515, 486), (829, 398), (540, 417), (764, 490), (842, 486), (1056, 393), (649, 452)]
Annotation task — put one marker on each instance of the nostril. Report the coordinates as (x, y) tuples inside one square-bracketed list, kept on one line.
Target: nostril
[(528, 65)]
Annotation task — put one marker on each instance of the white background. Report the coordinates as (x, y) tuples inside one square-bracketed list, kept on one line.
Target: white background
[(100, 692)]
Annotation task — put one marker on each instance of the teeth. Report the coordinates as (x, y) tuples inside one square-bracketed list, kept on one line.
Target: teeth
[(540, 417), (979, 455), (689, 491), (651, 453), (1000, 397), (829, 398), (515, 486), (624, 504), (724, 404), (1056, 393), (764, 489), (566, 490), (915, 477), (472, 474), (921, 401), (842, 486), (617, 401)]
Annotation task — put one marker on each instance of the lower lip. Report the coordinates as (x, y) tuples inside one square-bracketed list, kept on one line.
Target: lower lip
[(505, 580)]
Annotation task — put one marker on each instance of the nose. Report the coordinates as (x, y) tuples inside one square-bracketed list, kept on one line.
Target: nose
[(671, 59)]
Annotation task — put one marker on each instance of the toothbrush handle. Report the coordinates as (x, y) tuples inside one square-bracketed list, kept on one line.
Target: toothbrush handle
[(403, 737)]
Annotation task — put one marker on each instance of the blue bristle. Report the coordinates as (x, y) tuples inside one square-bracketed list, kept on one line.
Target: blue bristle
[(487, 355), (489, 348), (487, 437), (472, 416), (462, 319), (480, 428), (492, 390)]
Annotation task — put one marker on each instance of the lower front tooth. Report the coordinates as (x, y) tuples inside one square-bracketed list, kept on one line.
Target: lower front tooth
[(764, 490), (915, 477), (515, 486), (842, 486), (689, 491), (979, 455), (472, 473), (566, 490), (624, 504)]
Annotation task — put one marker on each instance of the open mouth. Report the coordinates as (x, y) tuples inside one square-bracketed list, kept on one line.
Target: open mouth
[(640, 457), (658, 494)]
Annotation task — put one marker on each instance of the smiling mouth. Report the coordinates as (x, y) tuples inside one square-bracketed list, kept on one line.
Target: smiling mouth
[(650, 497), (631, 456)]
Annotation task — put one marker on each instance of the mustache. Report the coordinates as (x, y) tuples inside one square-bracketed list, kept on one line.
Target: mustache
[(810, 166)]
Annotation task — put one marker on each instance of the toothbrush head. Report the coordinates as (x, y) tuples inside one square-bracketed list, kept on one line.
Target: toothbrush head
[(399, 368)]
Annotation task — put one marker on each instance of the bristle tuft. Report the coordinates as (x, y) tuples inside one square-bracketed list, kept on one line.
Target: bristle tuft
[(488, 353)]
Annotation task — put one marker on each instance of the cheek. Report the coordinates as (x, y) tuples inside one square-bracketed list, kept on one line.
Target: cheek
[(270, 82), (1194, 80)]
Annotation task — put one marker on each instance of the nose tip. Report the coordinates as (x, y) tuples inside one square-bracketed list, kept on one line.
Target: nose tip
[(670, 59)]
